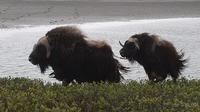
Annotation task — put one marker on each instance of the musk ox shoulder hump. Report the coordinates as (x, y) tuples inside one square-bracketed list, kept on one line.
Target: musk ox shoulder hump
[(146, 40), (65, 34), (69, 30), (98, 44)]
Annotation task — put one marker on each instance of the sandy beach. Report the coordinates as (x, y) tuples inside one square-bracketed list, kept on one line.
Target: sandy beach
[(14, 13)]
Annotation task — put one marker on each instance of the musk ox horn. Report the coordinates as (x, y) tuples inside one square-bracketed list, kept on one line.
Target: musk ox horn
[(137, 46), (121, 44), (45, 42)]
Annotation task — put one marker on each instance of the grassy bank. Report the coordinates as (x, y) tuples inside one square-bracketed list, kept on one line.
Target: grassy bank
[(24, 95)]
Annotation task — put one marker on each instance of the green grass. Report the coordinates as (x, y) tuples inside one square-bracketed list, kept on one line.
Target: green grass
[(25, 95)]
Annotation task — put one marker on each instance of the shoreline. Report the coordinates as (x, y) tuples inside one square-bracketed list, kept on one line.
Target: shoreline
[(14, 13), (93, 22)]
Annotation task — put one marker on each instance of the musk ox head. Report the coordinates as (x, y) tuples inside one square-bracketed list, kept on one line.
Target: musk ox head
[(41, 53), (57, 40), (130, 48)]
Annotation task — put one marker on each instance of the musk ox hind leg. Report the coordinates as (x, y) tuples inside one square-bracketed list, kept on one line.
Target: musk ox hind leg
[(150, 74), (113, 74), (174, 77), (177, 65), (155, 76), (160, 78)]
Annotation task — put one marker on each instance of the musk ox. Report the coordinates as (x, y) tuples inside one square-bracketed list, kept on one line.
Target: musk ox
[(73, 56), (158, 57)]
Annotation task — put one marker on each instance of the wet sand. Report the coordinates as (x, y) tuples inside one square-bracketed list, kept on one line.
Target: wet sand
[(14, 13)]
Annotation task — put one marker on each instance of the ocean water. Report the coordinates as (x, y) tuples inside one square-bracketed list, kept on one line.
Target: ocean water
[(16, 44)]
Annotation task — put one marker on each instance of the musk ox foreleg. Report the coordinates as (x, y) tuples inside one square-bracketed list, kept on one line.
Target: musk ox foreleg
[(62, 75), (150, 74)]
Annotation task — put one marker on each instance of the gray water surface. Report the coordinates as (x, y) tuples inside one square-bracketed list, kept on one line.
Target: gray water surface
[(16, 44)]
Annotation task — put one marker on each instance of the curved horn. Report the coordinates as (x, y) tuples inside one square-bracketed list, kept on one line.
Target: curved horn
[(121, 44), (45, 42)]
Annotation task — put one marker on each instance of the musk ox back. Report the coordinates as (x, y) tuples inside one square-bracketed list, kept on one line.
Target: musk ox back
[(158, 57), (73, 56)]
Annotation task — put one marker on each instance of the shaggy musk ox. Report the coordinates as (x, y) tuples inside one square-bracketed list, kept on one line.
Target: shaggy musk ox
[(73, 56), (158, 57)]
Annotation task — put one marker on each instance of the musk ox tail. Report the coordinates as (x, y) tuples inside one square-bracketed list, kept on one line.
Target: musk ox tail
[(180, 65), (181, 62), (121, 67)]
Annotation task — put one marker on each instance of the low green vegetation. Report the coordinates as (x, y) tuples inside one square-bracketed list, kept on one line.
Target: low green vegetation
[(25, 95)]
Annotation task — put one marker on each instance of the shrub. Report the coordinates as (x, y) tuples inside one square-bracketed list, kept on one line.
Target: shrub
[(25, 95)]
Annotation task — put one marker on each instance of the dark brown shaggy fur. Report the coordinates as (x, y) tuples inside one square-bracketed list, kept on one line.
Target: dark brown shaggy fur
[(74, 57), (158, 57)]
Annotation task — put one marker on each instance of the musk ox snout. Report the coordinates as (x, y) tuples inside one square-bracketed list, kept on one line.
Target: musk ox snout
[(32, 59), (129, 49), (122, 53), (41, 51), (38, 54)]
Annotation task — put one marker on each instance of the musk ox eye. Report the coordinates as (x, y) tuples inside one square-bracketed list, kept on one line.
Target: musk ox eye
[(132, 46), (129, 45), (41, 49)]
